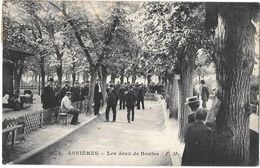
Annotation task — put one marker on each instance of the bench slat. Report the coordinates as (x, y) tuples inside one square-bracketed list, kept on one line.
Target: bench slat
[(11, 128)]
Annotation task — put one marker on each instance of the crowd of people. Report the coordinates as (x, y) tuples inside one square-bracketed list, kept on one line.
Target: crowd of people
[(128, 95)]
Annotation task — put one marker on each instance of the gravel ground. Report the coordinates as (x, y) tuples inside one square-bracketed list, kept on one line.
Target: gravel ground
[(142, 142)]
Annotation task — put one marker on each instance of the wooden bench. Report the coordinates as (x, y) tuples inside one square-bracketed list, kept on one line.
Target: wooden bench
[(12, 129)]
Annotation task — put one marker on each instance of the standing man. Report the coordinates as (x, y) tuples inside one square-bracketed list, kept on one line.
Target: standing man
[(66, 107), (112, 99), (48, 98), (130, 99), (140, 97), (75, 93), (121, 93), (97, 97), (204, 94)]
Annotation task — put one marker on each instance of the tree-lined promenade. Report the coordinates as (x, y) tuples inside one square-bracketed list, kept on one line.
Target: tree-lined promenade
[(175, 41)]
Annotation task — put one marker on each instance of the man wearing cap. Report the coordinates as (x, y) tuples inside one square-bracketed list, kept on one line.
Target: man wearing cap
[(66, 107), (194, 104), (48, 97), (97, 97)]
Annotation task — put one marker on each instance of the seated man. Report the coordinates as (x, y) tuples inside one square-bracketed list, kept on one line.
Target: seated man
[(66, 107)]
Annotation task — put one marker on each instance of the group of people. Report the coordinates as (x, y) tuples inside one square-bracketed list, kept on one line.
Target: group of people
[(53, 96), (202, 140), (128, 95)]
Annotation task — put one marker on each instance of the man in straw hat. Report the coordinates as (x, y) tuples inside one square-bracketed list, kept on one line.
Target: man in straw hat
[(194, 104), (66, 107)]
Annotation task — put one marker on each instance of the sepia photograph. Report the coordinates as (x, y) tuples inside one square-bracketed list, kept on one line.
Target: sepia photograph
[(130, 83)]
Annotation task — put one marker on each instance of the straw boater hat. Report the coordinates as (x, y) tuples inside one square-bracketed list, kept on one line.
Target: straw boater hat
[(193, 99), (68, 93)]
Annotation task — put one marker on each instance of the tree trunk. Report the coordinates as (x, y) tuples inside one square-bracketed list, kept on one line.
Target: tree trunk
[(148, 79), (18, 70), (234, 65), (122, 77), (185, 88), (59, 72), (113, 77), (104, 83), (133, 79), (174, 98), (92, 83), (42, 63)]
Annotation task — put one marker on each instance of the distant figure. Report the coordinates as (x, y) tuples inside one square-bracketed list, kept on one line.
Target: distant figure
[(66, 107), (121, 95), (140, 97), (97, 97), (112, 99), (130, 99), (198, 139), (204, 94), (48, 98)]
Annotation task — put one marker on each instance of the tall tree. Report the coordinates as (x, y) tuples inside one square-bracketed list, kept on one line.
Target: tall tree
[(231, 24)]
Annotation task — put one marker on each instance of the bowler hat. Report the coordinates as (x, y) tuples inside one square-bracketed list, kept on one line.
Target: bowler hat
[(193, 99), (51, 80)]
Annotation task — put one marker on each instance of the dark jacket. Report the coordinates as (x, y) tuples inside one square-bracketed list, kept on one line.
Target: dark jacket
[(130, 99), (48, 98), (112, 97), (122, 91), (97, 95), (75, 94), (84, 92), (205, 93), (140, 94), (198, 145)]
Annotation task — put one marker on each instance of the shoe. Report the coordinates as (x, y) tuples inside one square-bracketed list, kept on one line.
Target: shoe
[(129, 121), (132, 120), (73, 123), (113, 121), (106, 121)]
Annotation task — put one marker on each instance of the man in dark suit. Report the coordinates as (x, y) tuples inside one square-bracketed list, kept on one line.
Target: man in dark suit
[(75, 90), (130, 99), (121, 95), (48, 97), (140, 97), (198, 142), (97, 97), (204, 94), (112, 99)]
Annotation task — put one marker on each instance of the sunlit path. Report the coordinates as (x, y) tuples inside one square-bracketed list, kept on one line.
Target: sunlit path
[(106, 140)]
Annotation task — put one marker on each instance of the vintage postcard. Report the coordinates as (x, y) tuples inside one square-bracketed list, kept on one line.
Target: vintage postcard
[(130, 83)]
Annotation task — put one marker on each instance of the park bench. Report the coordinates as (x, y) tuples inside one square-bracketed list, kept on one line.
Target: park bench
[(6, 132)]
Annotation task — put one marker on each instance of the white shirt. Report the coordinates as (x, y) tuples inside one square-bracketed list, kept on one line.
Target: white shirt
[(66, 104)]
